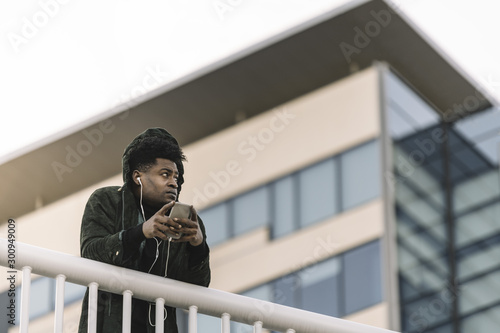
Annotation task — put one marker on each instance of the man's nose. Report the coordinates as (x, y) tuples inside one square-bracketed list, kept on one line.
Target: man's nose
[(172, 182)]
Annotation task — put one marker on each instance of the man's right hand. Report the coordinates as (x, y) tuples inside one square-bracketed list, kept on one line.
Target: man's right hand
[(159, 223)]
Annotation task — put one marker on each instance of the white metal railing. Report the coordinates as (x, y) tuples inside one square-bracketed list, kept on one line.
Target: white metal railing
[(163, 291)]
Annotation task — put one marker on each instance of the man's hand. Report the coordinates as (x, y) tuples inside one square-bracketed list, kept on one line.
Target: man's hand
[(190, 229), (160, 223)]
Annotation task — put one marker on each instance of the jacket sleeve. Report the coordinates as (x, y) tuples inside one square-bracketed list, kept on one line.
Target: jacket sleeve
[(101, 234), (199, 262)]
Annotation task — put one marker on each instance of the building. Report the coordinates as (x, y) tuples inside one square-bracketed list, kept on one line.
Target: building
[(347, 167)]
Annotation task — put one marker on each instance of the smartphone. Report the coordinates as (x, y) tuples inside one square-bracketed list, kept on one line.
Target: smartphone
[(180, 210)]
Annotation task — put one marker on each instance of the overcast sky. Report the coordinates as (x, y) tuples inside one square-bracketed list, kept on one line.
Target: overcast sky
[(65, 61)]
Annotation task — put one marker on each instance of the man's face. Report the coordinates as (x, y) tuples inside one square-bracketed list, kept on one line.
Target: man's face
[(160, 183)]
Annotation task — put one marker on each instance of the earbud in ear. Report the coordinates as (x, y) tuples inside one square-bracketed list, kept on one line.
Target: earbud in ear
[(139, 180)]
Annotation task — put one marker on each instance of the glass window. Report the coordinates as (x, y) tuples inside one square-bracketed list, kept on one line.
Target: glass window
[(285, 290), (475, 191), (284, 193), (363, 282), (399, 125), (477, 225), (447, 328), (485, 321), (317, 192), (251, 210), (73, 292), (490, 148), (207, 324), (42, 293), (263, 293), (479, 259), (478, 293), (474, 126), (426, 312), (320, 290), (360, 175), (416, 112), (216, 223)]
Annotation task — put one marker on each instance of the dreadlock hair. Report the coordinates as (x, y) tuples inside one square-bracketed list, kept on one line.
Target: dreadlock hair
[(144, 155)]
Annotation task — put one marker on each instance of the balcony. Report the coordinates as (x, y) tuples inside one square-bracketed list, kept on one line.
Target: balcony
[(99, 276)]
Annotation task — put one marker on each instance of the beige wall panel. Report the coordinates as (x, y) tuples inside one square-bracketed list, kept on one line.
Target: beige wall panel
[(266, 261), (282, 140), (57, 226)]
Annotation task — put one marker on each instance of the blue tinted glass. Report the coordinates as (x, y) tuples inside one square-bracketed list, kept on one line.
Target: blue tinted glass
[(360, 175), (284, 205), (208, 324), (285, 290), (484, 321), (251, 210), (363, 282), (478, 294), (216, 223), (263, 293), (317, 192), (320, 287), (73, 292), (42, 296), (411, 109), (426, 312)]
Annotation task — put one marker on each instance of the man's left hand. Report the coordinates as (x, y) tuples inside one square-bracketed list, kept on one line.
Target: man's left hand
[(189, 228)]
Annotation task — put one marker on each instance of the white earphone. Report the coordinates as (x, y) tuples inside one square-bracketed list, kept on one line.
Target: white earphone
[(139, 179)]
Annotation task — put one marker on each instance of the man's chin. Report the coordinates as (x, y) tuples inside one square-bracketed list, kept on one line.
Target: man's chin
[(169, 200)]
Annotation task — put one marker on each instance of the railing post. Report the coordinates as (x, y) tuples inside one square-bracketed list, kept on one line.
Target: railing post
[(160, 321), (59, 309), (97, 275), (92, 311), (127, 311), (257, 327), (192, 322), (25, 300), (225, 323)]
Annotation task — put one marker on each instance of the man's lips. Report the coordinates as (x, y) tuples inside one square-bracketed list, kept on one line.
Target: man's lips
[(172, 193)]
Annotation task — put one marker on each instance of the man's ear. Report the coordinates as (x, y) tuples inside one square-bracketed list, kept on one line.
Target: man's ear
[(136, 175)]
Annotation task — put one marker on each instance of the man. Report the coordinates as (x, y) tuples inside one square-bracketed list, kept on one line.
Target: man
[(129, 226)]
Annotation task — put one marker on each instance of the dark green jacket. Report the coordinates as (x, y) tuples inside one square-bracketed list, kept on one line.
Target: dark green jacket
[(108, 213)]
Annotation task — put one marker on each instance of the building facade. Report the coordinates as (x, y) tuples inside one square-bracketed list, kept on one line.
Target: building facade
[(362, 196)]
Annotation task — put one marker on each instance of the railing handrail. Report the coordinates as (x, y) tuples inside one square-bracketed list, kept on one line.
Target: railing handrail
[(178, 294)]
